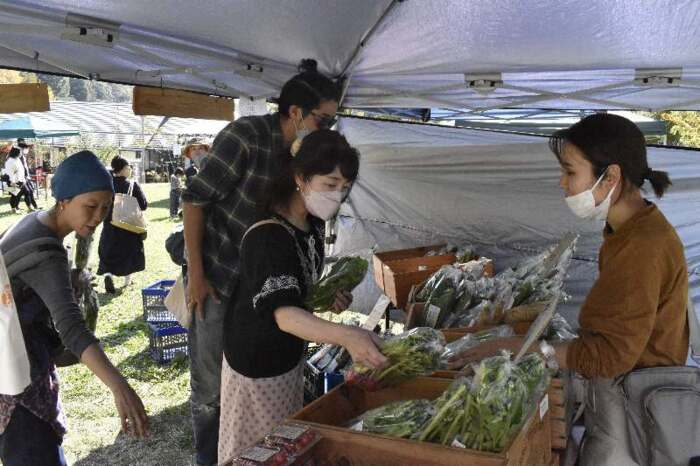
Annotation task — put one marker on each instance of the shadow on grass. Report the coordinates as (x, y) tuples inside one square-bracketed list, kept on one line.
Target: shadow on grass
[(170, 443), (142, 367), (124, 332), (162, 203)]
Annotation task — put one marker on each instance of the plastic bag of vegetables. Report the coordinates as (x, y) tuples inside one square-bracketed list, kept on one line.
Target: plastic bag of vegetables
[(503, 394), (401, 419), (443, 296), (345, 274), (455, 349), (411, 354)]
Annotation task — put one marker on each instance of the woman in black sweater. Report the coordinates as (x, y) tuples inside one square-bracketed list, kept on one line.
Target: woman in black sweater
[(121, 252), (267, 327)]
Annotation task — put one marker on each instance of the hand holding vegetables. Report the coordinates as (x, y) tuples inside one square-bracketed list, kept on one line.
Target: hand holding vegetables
[(344, 275), (363, 347), (410, 354)]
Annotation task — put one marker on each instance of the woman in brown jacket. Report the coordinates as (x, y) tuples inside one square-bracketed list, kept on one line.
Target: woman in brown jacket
[(635, 314)]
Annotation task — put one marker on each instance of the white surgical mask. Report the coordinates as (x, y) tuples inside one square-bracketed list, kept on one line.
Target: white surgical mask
[(583, 204), (323, 204), (301, 134)]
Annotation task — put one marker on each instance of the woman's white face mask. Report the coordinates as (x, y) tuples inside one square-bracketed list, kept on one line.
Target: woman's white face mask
[(323, 204), (583, 204)]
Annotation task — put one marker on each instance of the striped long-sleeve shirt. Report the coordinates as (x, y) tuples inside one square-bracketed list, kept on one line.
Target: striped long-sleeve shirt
[(242, 163)]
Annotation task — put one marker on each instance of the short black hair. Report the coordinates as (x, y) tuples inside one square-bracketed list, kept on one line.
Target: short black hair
[(320, 153), (308, 89), (179, 171), (606, 139)]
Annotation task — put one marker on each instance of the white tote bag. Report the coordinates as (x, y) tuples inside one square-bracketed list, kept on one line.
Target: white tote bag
[(127, 213), (14, 362), (176, 302)]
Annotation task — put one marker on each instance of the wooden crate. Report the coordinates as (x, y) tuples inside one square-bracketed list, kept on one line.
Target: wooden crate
[(396, 272), (382, 258), (558, 413), (328, 415)]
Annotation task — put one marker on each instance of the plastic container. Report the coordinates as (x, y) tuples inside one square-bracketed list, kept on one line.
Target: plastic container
[(153, 295), (293, 439), (167, 340)]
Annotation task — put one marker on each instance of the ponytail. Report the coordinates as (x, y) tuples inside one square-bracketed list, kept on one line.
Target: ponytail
[(659, 181)]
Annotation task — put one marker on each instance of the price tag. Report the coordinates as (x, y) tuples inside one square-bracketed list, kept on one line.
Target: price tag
[(544, 406), (259, 454), (457, 444), (358, 426)]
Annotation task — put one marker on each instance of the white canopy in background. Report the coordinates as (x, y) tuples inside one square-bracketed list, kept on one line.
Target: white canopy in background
[(422, 184), (474, 55)]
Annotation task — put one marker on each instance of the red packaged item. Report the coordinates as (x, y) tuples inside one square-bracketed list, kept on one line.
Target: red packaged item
[(293, 439), (262, 455)]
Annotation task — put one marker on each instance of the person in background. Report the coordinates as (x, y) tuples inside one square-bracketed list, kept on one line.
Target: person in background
[(175, 192), (17, 180), (196, 151), (219, 204), (29, 187), (32, 424), (121, 252)]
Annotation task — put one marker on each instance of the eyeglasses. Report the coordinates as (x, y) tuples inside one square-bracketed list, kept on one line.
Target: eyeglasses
[(324, 121)]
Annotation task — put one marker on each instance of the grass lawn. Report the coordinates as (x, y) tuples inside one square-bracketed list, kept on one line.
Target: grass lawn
[(93, 425)]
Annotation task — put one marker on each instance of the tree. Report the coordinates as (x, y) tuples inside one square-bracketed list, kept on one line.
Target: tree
[(82, 90), (60, 85), (683, 127)]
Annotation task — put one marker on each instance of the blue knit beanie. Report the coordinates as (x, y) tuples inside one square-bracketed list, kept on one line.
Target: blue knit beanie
[(80, 173)]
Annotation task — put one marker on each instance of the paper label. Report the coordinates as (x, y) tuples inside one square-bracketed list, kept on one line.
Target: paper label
[(457, 444), (259, 454), (544, 406), (289, 432), (432, 314), (358, 426)]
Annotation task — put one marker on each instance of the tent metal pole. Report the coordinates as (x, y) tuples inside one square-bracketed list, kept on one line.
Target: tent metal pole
[(34, 55), (145, 54), (349, 68)]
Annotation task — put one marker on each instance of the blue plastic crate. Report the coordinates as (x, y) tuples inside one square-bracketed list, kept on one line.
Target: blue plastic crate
[(167, 340), (153, 295)]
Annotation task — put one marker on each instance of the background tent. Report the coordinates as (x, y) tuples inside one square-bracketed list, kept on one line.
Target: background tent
[(424, 184), (31, 127)]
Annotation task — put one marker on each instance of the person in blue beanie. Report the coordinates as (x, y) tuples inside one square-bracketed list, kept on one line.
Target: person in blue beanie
[(32, 423)]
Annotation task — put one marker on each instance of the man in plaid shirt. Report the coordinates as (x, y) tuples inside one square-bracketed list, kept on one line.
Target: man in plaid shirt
[(219, 205)]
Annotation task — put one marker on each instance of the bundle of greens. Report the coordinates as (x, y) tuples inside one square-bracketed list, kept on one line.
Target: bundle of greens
[(501, 398), (344, 275), (411, 354), (398, 419)]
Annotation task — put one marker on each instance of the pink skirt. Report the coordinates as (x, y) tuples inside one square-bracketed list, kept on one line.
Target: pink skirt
[(251, 408)]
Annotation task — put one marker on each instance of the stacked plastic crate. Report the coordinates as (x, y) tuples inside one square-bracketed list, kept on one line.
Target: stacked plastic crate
[(167, 338)]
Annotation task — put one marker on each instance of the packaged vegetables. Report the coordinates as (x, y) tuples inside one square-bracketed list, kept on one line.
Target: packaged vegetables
[(461, 296), (451, 357), (400, 419), (481, 412), (345, 274), (412, 353)]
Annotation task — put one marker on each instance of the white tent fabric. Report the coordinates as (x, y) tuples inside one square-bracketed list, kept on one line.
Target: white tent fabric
[(422, 184), (562, 54)]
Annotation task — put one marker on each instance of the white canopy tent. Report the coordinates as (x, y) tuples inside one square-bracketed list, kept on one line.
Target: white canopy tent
[(417, 182), (471, 56)]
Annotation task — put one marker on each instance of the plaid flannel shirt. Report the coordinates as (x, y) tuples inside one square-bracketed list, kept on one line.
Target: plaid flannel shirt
[(242, 162)]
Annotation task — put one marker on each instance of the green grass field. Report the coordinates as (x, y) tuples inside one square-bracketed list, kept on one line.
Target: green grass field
[(93, 428)]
